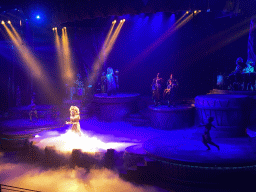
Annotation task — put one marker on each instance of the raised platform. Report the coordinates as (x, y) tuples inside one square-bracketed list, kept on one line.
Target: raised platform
[(230, 112), (114, 107), (169, 118), (252, 106), (220, 91), (14, 133), (26, 124), (183, 157), (43, 111)]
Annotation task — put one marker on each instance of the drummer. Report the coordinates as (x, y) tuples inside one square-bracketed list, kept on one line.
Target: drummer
[(249, 76), (239, 65), (235, 77), (249, 67)]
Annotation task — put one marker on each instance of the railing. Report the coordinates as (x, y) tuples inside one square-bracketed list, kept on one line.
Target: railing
[(11, 188)]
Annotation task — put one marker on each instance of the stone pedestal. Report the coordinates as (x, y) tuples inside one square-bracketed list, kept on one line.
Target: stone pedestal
[(164, 117), (114, 107)]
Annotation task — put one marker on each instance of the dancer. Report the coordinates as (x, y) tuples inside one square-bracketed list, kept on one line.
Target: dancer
[(74, 120), (206, 136)]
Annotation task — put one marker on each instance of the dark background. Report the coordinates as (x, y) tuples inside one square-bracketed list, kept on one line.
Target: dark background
[(195, 54)]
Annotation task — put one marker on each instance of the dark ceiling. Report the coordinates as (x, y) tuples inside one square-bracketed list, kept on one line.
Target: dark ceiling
[(62, 11)]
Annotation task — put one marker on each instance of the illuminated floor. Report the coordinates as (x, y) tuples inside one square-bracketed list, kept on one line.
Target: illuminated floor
[(182, 145)]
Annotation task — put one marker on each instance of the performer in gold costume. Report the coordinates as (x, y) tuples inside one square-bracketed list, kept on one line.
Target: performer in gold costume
[(74, 119)]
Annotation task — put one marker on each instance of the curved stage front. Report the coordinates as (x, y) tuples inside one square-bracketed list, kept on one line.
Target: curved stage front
[(115, 107), (43, 111), (184, 158)]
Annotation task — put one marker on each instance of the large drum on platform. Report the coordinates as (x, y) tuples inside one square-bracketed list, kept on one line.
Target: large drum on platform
[(230, 112)]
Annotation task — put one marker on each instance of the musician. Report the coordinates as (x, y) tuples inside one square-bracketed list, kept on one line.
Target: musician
[(157, 89), (111, 82), (239, 65), (235, 77), (249, 67), (171, 91), (249, 76), (103, 83)]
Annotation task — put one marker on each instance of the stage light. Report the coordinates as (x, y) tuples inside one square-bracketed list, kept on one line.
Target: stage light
[(31, 63), (9, 22), (187, 12), (2, 22), (178, 24), (123, 20), (195, 11), (199, 11), (53, 29), (38, 16)]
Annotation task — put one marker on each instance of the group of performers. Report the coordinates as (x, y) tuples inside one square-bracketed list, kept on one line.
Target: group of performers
[(243, 77), (168, 94), (76, 90), (109, 82)]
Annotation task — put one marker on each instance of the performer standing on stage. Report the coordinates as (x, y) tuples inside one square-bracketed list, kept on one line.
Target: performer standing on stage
[(74, 119), (103, 83), (235, 77), (33, 107), (206, 136), (170, 93), (157, 89), (111, 82), (117, 79), (249, 76)]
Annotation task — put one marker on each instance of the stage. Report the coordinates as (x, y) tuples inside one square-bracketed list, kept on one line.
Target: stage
[(181, 148)]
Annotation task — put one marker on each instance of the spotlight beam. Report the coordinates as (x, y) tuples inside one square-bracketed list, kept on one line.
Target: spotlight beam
[(113, 38), (109, 34), (177, 25), (215, 42), (17, 36), (68, 64), (25, 53), (59, 54), (31, 63), (107, 47)]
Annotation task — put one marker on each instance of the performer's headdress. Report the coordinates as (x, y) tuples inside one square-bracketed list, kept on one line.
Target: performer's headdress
[(74, 108)]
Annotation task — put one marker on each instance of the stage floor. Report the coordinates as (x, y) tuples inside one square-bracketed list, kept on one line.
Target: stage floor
[(186, 147), (117, 135), (178, 146), (181, 146)]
